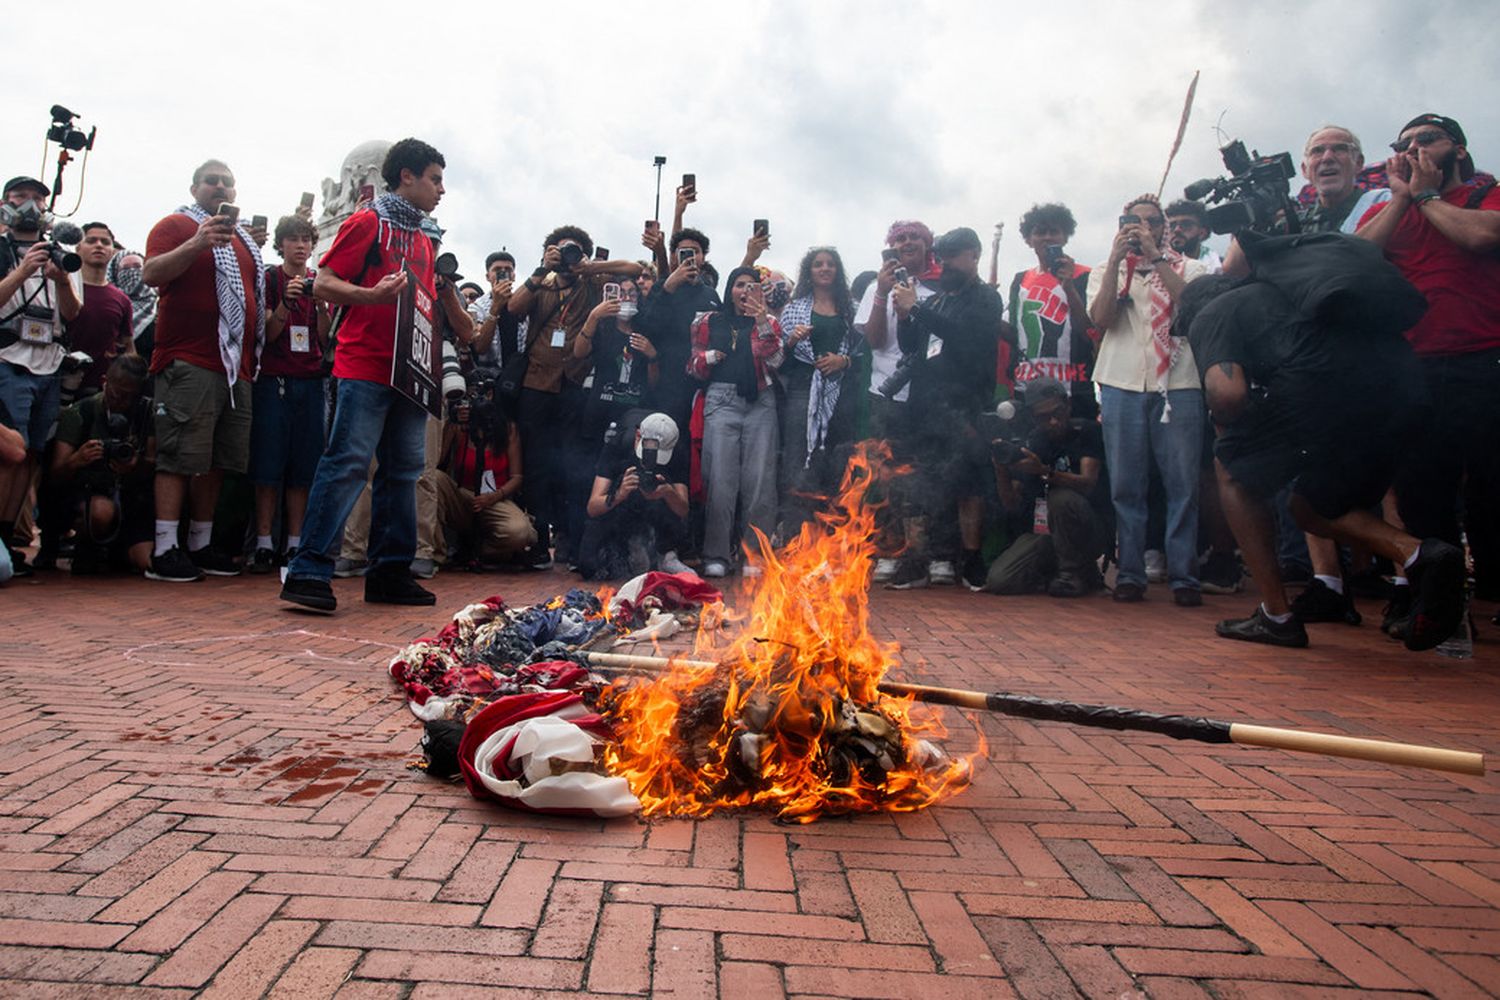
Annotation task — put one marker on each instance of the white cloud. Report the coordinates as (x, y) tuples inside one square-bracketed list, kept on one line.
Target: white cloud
[(831, 119)]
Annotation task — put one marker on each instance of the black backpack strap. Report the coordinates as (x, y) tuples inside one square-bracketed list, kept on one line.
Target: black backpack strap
[(1478, 194)]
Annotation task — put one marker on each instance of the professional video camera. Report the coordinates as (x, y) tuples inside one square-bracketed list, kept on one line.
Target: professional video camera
[(1006, 428), (1255, 196)]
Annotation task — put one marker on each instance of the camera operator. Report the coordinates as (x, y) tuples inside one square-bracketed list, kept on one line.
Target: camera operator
[(1441, 229), (498, 334), (638, 506), (1049, 308), (1312, 384), (372, 417), (1050, 490), (479, 478), (106, 447), (1150, 397), (907, 257), (287, 427), (555, 302), (36, 298), (210, 329), (951, 342)]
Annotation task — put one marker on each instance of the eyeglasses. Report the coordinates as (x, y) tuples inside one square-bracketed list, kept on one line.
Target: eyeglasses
[(1423, 139), (1337, 148), (1182, 224), (215, 180)]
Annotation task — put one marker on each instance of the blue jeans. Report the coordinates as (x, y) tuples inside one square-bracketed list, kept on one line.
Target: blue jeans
[(1134, 436), (371, 420)]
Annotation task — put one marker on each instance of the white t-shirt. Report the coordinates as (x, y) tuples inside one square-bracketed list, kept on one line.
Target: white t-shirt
[(883, 360), (40, 349)]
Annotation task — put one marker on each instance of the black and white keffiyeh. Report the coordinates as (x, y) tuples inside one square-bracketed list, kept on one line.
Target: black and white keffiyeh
[(823, 397), (142, 296), (400, 221), (229, 286)]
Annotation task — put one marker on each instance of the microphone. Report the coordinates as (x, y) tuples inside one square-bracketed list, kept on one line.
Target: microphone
[(1198, 189), (67, 232), (62, 114)]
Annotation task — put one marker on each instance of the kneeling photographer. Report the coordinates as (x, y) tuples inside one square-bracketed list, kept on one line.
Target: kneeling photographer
[(104, 462), (638, 507), (1057, 509), (948, 346), (479, 478), (1310, 383)]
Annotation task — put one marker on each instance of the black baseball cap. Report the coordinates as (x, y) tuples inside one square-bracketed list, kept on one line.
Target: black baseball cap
[(956, 241), (1455, 132), (16, 182)]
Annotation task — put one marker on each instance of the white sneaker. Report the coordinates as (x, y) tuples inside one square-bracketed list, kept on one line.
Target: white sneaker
[(941, 573), (669, 563), (1156, 566), (885, 571), (715, 569)]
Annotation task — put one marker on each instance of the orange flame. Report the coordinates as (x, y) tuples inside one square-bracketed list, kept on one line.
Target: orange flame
[(802, 667)]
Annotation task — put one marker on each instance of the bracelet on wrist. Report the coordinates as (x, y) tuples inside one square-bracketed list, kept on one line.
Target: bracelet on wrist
[(1423, 197), (1158, 259)]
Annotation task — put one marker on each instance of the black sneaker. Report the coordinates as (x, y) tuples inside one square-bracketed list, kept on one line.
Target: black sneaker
[(315, 595), (1437, 585), (1220, 574), (214, 563), (1129, 593), (19, 566), (174, 566), (912, 575), (1397, 611), (1319, 602), (975, 572), (1067, 584), (1187, 597), (1259, 628), (263, 562), (396, 586), (537, 557)]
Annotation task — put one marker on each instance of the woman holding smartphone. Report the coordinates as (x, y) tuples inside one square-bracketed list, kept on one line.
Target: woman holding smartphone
[(734, 350), (819, 346)]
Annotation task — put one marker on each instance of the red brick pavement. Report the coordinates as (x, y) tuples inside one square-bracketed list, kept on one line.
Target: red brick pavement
[(200, 790)]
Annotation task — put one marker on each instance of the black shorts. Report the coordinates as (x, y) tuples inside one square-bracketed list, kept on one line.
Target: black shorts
[(1336, 446)]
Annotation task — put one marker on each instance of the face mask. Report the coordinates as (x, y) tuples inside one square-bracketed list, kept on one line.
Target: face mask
[(27, 217), (128, 279), (952, 280)]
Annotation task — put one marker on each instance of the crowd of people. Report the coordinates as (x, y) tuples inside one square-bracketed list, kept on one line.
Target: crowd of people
[(1318, 406)]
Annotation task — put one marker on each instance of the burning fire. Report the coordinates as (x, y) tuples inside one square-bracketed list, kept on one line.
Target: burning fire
[(792, 719)]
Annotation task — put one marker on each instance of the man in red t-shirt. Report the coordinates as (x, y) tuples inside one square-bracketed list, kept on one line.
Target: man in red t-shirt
[(1442, 229), (210, 324), (364, 271), (287, 426)]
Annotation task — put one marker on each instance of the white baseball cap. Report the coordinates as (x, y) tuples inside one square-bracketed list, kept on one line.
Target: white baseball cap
[(662, 429)]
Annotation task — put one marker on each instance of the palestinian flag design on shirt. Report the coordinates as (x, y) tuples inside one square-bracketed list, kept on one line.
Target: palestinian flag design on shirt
[(1052, 345)]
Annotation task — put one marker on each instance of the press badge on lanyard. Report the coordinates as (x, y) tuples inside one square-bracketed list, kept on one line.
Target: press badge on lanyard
[(36, 331), (301, 339), (559, 337), (1039, 517)]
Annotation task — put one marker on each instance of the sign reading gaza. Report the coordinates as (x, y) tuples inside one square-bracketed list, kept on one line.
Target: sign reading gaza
[(416, 361)]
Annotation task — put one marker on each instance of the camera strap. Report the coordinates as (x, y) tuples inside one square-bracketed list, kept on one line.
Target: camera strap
[(11, 263)]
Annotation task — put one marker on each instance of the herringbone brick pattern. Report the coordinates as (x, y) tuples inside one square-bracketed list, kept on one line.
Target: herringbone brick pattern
[(200, 791)]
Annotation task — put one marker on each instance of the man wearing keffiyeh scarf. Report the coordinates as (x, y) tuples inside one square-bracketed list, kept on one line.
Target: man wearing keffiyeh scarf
[(366, 270), (1151, 400)]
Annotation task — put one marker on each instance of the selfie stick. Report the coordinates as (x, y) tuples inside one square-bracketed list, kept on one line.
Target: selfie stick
[(661, 161)]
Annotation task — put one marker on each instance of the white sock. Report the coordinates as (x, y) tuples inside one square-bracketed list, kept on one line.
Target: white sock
[(294, 541), (1400, 581), (1333, 583), (200, 533), (166, 536), (262, 541), (1407, 564), (1278, 619)]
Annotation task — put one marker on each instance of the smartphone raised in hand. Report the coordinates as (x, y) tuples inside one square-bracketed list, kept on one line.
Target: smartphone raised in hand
[(889, 254), (258, 222), (230, 212), (686, 256), (611, 292), (761, 227)]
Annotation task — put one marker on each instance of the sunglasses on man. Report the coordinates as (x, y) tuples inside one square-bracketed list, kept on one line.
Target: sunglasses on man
[(1423, 139)]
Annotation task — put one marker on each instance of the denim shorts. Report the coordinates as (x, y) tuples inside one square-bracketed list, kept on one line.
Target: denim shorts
[(29, 403), (286, 430)]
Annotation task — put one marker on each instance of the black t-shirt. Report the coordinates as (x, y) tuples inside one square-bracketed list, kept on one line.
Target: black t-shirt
[(621, 380), (827, 337), (87, 420)]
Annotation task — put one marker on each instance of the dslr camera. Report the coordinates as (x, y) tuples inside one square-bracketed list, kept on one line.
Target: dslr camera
[(1256, 195), (897, 380), (570, 256), (118, 444), (1006, 428)]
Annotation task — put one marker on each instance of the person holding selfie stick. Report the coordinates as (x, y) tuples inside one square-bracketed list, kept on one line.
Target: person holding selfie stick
[(735, 349), (210, 330), (1150, 396)]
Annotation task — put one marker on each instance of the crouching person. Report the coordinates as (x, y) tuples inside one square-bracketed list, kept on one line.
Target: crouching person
[(638, 506), (1051, 492), (477, 482), (105, 458)]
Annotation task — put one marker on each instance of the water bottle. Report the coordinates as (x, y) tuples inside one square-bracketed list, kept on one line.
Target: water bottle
[(1459, 645)]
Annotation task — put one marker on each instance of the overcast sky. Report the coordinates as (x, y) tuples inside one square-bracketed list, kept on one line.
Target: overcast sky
[(831, 119)]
